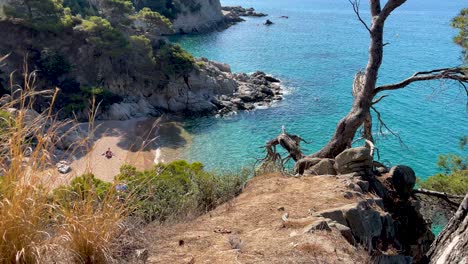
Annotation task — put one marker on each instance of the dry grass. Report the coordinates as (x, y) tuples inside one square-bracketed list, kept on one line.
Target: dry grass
[(34, 225)]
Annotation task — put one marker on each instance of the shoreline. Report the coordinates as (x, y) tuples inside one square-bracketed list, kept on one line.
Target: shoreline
[(140, 142)]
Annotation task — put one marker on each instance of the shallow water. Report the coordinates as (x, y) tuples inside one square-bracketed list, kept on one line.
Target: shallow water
[(316, 52)]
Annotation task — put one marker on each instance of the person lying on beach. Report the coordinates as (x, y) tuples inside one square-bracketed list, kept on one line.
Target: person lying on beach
[(108, 154)]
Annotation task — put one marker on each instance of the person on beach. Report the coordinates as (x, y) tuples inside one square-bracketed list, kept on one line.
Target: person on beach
[(108, 154)]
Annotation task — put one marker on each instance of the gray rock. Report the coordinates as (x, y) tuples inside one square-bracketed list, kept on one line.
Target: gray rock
[(353, 160), (364, 222), (317, 225), (345, 232), (5, 99), (222, 66), (335, 214), (403, 180), (323, 167), (364, 185), (63, 167)]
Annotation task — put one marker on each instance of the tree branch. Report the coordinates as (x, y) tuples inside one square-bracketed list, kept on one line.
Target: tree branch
[(355, 4), (375, 7), (455, 74), (379, 99), (442, 195), (383, 125), (389, 7)]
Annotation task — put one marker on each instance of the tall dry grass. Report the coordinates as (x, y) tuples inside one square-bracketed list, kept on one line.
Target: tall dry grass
[(35, 225)]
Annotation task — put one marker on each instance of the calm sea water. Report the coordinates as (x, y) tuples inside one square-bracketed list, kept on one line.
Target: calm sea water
[(316, 52)]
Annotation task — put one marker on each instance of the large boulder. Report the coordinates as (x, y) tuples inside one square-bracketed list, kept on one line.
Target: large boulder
[(365, 220), (403, 179), (323, 167), (354, 160)]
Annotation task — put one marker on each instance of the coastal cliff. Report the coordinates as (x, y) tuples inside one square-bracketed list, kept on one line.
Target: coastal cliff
[(199, 16), (125, 61)]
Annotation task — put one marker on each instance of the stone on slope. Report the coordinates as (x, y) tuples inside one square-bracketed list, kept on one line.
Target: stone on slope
[(353, 160), (403, 180)]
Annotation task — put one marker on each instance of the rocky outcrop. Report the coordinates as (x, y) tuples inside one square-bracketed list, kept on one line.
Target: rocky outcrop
[(199, 16), (210, 89), (241, 11), (391, 221), (358, 160)]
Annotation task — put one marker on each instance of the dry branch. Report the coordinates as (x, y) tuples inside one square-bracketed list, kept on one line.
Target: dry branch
[(456, 74), (447, 197)]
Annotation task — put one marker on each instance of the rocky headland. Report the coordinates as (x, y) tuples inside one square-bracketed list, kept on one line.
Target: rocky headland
[(210, 89)]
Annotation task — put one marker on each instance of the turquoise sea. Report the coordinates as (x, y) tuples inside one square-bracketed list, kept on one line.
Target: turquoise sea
[(316, 53)]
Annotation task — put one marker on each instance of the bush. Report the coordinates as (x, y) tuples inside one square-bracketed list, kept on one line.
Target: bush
[(80, 188), (178, 189), (175, 60), (454, 180), (40, 14), (167, 8), (106, 39), (153, 18), (53, 64), (454, 183), (78, 98)]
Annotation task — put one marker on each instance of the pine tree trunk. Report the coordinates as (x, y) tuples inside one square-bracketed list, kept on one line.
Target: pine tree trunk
[(360, 111), (451, 246)]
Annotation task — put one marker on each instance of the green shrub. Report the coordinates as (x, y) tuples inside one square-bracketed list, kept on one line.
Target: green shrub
[(454, 183), (40, 14), (82, 7), (6, 120), (454, 180), (168, 8), (106, 39), (53, 64), (153, 18), (170, 191), (81, 188), (142, 51), (76, 98), (175, 60)]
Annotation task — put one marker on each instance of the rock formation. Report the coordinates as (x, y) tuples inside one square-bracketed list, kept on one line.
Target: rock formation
[(206, 17), (392, 221)]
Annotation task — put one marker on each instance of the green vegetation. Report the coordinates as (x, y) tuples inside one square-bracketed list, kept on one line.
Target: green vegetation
[(82, 222), (53, 65), (40, 14), (6, 120), (175, 190), (175, 60), (106, 39), (153, 18), (460, 22), (167, 8), (113, 37), (80, 100), (81, 7), (80, 188), (454, 179)]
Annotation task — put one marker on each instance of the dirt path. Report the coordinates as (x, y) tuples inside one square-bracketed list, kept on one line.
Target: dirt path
[(250, 228)]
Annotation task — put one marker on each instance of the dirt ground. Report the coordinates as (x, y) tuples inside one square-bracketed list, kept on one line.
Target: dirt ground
[(250, 229)]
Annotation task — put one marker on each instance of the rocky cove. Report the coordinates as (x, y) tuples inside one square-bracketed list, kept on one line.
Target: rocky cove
[(344, 208), (211, 89)]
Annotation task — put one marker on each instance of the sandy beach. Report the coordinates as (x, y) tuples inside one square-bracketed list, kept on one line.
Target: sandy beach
[(140, 142)]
